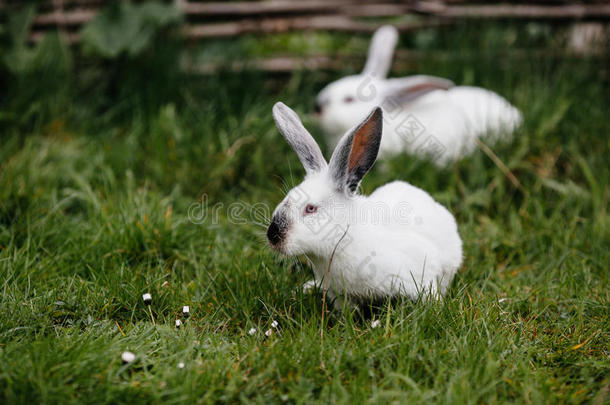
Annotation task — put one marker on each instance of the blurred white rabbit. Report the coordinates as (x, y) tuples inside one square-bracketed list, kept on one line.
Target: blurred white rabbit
[(424, 115), (396, 241)]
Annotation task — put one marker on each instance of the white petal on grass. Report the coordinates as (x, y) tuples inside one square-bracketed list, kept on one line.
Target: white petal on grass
[(375, 323), (269, 332), (128, 357), (274, 324), (252, 331)]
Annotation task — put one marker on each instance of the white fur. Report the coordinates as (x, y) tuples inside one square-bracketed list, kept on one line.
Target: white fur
[(399, 240), (451, 118)]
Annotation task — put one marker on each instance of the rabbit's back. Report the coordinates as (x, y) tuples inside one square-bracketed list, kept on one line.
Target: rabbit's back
[(416, 212), (443, 124), (485, 112)]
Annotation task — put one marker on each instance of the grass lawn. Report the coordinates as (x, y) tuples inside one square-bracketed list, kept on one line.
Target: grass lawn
[(101, 201)]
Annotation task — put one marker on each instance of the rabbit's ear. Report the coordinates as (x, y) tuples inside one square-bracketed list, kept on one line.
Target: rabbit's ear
[(407, 89), (299, 138), (356, 152), (381, 51)]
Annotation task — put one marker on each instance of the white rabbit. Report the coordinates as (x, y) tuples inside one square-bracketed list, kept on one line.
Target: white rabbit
[(397, 241), (424, 115)]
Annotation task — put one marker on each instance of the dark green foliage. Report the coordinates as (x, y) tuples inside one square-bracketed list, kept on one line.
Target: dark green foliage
[(38, 74), (127, 28)]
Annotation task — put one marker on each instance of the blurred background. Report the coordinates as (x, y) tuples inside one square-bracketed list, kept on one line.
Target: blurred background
[(202, 70)]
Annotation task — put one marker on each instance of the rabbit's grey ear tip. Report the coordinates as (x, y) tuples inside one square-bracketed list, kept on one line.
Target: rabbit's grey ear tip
[(390, 29), (279, 106)]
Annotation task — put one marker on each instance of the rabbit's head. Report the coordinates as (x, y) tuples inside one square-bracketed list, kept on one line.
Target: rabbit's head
[(343, 103), (313, 215)]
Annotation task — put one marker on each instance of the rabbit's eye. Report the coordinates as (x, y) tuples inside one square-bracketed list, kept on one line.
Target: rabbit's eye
[(348, 99), (310, 209)]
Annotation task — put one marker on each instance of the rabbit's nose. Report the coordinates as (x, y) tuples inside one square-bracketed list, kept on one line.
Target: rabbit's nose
[(275, 233)]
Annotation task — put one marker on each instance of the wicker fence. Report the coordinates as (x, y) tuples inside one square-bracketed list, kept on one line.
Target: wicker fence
[(224, 19), (203, 19)]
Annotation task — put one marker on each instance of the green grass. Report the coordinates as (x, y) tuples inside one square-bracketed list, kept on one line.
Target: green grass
[(94, 211)]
